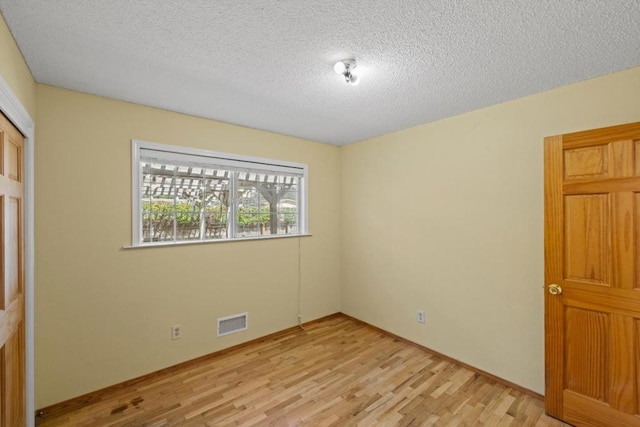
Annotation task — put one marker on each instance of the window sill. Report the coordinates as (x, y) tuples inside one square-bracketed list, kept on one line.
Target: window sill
[(201, 242)]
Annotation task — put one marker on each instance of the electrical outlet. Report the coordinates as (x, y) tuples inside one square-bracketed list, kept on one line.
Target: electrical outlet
[(420, 316), (176, 332)]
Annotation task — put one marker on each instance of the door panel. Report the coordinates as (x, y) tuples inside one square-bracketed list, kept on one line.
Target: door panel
[(586, 162), (587, 226), (592, 241), (14, 386), (14, 163), (622, 383), (12, 309), (13, 255), (636, 209), (587, 332)]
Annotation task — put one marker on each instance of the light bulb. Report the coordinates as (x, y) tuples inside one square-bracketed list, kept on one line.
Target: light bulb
[(340, 67), (354, 80)]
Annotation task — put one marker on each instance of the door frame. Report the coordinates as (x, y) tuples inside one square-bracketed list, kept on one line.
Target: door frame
[(11, 106)]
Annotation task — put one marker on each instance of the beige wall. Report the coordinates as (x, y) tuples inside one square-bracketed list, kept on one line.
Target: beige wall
[(103, 314), (448, 218), (15, 71)]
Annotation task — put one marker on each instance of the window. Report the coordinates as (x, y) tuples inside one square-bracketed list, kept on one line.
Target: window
[(186, 195)]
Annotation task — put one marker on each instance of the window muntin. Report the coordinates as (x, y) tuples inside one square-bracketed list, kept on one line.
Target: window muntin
[(184, 195)]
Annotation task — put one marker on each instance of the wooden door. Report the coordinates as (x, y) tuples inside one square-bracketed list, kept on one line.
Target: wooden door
[(12, 300), (592, 254)]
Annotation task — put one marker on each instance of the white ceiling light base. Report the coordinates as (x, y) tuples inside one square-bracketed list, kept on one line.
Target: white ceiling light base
[(346, 67)]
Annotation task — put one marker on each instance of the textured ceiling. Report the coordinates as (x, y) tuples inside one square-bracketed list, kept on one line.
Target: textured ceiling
[(269, 65)]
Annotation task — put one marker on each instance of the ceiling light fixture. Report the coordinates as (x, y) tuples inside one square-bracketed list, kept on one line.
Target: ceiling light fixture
[(345, 67)]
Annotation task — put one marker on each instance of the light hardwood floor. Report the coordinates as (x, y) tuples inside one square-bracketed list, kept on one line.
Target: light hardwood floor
[(337, 372)]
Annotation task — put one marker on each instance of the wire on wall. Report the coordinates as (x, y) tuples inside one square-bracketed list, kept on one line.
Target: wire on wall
[(300, 285)]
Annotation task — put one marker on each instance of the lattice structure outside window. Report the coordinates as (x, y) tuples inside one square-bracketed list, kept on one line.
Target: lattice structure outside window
[(183, 195)]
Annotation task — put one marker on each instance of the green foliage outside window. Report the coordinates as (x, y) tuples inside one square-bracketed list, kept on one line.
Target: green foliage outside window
[(188, 214)]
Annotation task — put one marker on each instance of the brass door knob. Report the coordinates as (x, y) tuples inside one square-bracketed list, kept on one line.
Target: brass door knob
[(555, 289)]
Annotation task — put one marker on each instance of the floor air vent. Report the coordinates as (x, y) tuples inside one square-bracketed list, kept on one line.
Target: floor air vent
[(231, 324)]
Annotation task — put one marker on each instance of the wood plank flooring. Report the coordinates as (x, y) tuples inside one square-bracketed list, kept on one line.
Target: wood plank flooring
[(337, 372)]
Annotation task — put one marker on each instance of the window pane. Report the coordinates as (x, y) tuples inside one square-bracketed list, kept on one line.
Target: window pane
[(158, 199), (288, 209), (184, 203), (190, 192), (267, 204), (216, 185)]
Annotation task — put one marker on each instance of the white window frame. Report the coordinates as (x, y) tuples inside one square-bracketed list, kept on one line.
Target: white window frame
[(221, 159)]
